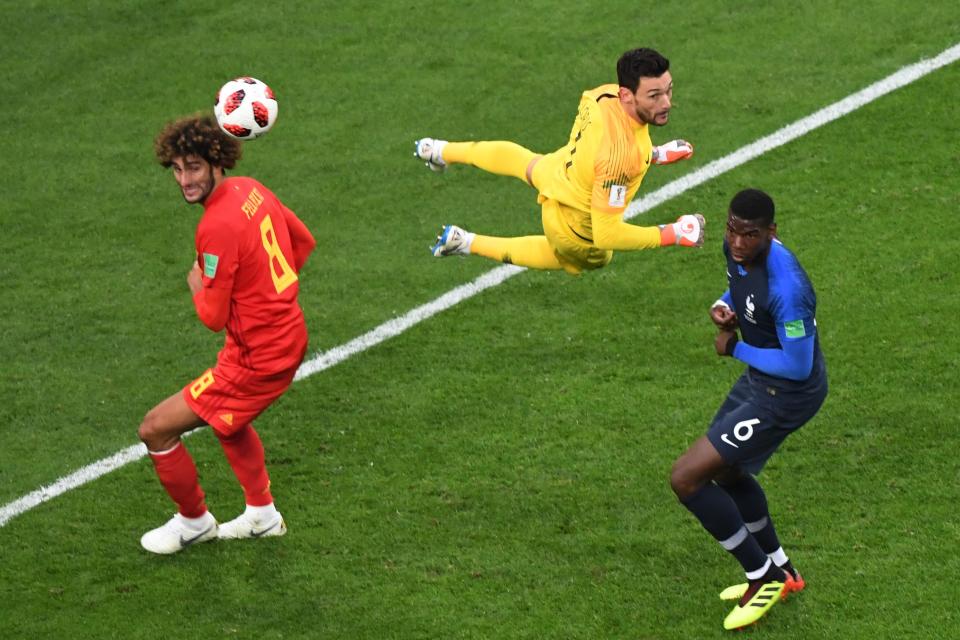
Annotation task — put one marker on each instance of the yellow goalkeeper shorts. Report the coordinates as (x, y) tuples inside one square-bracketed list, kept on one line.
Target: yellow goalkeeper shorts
[(575, 253)]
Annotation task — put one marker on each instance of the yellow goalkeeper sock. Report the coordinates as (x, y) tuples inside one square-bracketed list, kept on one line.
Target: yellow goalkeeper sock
[(529, 251), (499, 157)]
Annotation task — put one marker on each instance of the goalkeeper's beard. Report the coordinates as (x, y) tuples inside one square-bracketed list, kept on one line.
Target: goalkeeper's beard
[(652, 119)]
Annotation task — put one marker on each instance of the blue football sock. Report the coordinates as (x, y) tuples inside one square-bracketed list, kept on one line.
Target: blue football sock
[(752, 503), (718, 514)]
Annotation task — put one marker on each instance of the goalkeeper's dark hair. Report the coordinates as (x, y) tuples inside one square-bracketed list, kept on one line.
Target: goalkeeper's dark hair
[(640, 63), (753, 205), (198, 135)]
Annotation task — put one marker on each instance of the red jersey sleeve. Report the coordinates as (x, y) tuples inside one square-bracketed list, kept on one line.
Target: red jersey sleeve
[(300, 237), (217, 253), (213, 307)]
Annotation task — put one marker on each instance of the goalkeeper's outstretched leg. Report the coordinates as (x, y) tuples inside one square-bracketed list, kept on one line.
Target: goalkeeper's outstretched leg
[(500, 157)]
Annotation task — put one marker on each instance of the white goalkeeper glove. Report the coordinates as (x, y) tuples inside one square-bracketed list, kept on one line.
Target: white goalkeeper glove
[(687, 231), (672, 152)]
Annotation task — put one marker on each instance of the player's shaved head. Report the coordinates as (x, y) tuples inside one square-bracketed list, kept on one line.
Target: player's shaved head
[(197, 135), (753, 205), (640, 63)]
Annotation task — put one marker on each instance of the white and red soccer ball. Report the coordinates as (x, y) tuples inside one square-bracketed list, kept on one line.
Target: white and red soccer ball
[(245, 108)]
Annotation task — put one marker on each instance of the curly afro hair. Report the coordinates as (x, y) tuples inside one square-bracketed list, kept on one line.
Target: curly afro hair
[(197, 135)]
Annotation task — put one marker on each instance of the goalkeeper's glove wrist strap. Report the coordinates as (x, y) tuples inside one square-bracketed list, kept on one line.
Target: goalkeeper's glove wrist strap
[(668, 235)]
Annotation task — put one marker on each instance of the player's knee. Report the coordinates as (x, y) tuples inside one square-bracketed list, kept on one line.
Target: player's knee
[(150, 431), (146, 430), (683, 483), (680, 481)]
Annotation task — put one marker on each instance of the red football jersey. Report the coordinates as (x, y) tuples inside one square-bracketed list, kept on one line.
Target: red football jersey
[(250, 244)]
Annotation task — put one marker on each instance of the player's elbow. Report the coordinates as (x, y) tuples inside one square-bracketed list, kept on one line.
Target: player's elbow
[(799, 371), (302, 251), (605, 238), (216, 325), (213, 308), (213, 321), (798, 360), (305, 244), (308, 250)]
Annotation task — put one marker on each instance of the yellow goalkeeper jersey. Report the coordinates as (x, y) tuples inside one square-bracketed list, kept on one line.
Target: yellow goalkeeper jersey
[(601, 166)]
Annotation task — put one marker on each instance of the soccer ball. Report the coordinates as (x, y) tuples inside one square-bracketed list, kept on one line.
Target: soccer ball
[(245, 108)]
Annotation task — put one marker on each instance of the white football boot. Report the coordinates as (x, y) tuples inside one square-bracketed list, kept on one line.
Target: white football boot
[(430, 151), (452, 241), (248, 525), (179, 533)]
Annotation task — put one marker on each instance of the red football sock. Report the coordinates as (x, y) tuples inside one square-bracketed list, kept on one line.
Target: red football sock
[(178, 475), (245, 453)]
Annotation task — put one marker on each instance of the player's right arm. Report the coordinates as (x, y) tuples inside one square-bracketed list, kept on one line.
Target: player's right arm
[(213, 306), (212, 277), (609, 153), (722, 312), (614, 182), (610, 232)]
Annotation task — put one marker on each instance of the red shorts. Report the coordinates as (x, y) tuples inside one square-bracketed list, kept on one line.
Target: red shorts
[(228, 397)]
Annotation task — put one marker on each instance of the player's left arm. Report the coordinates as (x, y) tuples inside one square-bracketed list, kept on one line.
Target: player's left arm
[(793, 309), (300, 237), (794, 361)]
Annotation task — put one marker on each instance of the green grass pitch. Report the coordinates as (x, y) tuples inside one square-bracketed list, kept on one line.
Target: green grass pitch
[(500, 470)]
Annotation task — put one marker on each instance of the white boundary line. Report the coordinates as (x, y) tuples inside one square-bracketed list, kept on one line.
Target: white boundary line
[(494, 277)]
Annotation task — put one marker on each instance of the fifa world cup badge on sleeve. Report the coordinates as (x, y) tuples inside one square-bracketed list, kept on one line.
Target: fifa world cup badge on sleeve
[(210, 263), (618, 195), (795, 329)]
